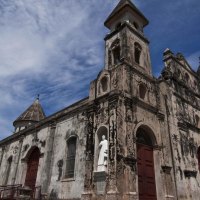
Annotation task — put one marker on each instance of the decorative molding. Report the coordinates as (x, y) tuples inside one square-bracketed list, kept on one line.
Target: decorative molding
[(125, 24), (146, 106)]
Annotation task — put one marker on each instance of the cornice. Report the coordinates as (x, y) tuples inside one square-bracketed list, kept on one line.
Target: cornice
[(153, 109), (126, 24), (134, 69)]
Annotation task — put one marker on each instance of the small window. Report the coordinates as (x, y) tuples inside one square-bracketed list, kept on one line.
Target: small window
[(71, 155), (142, 90), (138, 50), (104, 84), (198, 157), (115, 48), (116, 55)]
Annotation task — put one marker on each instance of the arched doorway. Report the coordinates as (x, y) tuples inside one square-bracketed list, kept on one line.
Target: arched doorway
[(32, 168), (145, 165)]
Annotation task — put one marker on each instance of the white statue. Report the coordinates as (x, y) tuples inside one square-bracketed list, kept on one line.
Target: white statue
[(103, 154)]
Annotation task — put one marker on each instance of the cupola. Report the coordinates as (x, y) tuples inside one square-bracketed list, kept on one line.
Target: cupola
[(126, 11), (31, 115)]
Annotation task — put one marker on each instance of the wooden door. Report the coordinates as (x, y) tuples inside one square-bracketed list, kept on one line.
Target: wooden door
[(32, 168), (146, 174)]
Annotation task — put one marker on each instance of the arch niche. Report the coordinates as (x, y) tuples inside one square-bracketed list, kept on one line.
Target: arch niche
[(101, 132), (145, 163), (32, 167)]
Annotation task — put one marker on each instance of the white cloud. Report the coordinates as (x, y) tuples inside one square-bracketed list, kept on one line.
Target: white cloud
[(49, 47)]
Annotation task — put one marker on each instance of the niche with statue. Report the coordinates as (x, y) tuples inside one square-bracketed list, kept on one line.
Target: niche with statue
[(101, 149), (101, 159)]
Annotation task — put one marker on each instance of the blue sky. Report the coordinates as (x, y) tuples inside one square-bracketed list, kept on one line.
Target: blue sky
[(55, 48)]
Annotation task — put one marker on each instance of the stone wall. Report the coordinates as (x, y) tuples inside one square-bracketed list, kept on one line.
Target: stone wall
[(52, 143)]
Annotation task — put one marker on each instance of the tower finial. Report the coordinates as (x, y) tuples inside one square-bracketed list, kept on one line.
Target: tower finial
[(38, 96)]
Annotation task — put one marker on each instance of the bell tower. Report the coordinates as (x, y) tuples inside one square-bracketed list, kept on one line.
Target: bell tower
[(123, 91), (126, 41), (126, 49)]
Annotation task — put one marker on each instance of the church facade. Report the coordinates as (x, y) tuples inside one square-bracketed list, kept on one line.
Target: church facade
[(136, 137)]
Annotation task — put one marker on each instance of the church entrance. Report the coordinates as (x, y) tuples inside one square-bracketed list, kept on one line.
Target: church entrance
[(145, 164), (32, 168)]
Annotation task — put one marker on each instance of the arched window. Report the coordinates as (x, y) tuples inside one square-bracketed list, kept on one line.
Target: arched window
[(138, 50), (71, 155), (104, 84), (115, 48), (142, 90), (116, 55), (8, 168), (198, 157)]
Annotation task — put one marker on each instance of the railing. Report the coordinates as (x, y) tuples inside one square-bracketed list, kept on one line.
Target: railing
[(9, 191)]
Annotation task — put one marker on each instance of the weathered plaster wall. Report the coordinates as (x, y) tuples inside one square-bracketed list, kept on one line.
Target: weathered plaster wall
[(183, 98), (59, 185), (51, 174)]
